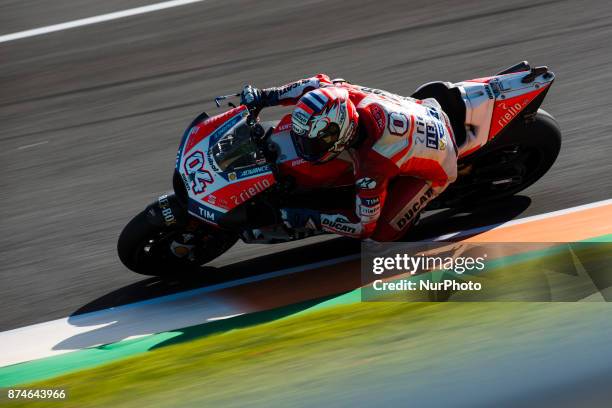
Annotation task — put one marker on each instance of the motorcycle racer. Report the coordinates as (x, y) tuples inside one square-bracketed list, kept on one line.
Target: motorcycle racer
[(402, 149)]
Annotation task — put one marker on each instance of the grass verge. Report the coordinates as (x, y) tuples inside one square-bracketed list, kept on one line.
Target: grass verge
[(339, 352)]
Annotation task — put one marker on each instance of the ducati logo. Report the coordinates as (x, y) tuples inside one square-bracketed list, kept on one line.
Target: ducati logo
[(379, 116), (412, 208), (338, 226)]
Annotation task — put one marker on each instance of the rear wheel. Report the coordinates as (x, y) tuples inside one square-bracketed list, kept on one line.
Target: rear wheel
[(155, 250), (520, 157)]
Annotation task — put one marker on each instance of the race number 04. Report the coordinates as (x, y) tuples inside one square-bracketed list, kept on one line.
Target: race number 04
[(194, 166)]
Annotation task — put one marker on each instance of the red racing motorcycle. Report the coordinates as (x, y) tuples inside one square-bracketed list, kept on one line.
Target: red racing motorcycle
[(234, 173)]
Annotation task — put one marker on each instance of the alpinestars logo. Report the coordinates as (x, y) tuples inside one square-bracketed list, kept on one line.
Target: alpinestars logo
[(366, 183)]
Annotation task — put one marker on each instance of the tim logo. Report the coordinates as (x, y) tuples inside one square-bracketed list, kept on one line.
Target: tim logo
[(207, 214)]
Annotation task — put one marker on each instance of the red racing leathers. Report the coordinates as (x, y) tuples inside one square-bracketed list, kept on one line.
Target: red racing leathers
[(405, 155)]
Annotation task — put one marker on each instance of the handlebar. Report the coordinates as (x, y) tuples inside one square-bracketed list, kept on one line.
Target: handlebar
[(253, 112)]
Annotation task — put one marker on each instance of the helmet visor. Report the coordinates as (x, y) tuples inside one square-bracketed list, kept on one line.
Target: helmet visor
[(314, 148)]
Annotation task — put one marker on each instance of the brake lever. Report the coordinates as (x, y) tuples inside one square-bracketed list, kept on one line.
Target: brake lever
[(218, 99)]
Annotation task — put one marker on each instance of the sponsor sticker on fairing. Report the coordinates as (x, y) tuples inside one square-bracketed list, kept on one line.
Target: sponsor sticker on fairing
[(299, 116), (166, 210), (299, 121), (204, 212), (194, 166), (253, 171), (251, 191)]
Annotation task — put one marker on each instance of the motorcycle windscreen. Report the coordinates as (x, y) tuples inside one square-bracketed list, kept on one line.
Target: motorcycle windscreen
[(221, 167)]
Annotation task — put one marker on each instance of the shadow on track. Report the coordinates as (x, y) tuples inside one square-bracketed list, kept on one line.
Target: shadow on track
[(486, 216), (111, 325), (155, 287), (122, 325)]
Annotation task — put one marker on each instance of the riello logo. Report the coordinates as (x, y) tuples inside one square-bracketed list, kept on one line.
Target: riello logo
[(511, 112), (251, 191)]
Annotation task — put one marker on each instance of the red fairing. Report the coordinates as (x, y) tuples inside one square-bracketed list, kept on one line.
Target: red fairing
[(506, 110), (237, 193), (284, 125), (205, 128)]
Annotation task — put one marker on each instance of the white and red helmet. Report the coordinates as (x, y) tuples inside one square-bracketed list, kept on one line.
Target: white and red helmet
[(323, 124)]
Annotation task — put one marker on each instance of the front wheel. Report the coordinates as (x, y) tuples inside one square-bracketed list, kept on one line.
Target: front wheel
[(510, 164), (157, 250)]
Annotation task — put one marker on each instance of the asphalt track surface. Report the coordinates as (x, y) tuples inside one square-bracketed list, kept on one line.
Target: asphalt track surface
[(91, 117)]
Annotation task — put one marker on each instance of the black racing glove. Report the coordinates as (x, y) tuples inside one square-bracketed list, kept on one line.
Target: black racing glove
[(251, 97)]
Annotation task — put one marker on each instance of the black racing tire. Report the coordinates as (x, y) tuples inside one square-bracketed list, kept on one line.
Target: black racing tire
[(137, 236), (538, 144)]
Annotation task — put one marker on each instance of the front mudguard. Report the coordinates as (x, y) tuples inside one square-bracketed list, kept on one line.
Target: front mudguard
[(167, 211)]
